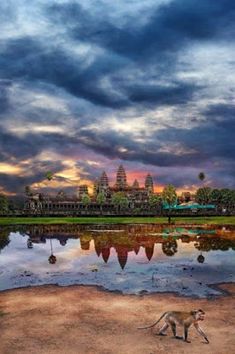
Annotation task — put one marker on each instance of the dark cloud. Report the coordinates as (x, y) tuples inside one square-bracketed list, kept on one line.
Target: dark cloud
[(121, 68), (31, 144), (170, 27), (212, 139), (4, 96), (179, 93), (221, 112), (13, 146), (28, 59)]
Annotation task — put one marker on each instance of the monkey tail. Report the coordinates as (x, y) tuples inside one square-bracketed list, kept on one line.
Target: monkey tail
[(155, 323)]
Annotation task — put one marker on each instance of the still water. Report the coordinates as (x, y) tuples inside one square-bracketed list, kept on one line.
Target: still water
[(132, 259)]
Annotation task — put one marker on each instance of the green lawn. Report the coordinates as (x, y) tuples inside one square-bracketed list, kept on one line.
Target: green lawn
[(218, 220)]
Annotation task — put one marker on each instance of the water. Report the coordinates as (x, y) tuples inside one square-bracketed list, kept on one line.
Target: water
[(132, 259)]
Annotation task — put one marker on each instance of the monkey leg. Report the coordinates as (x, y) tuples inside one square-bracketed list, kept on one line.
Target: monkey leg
[(186, 335), (173, 328), (163, 330), (200, 331)]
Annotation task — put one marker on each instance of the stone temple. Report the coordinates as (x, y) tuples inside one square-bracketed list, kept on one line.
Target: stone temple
[(136, 196), (134, 192)]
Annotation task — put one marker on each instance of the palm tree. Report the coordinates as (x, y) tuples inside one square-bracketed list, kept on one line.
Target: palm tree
[(52, 259), (49, 175), (169, 198), (201, 176)]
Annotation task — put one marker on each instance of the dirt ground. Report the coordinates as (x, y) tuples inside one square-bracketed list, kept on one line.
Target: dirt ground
[(86, 320)]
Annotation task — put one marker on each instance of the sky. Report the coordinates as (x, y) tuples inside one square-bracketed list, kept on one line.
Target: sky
[(88, 85)]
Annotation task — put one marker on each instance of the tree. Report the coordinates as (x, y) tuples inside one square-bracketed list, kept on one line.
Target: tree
[(169, 198), (227, 198), (86, 200), (4, 204), (201, 176), (120, 200), (15, 205), (154, 200), (203, 195), (49, 175), (216, 197), (169, 247), (100, 199)]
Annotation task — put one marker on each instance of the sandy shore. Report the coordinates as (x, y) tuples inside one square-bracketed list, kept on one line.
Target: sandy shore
[(82, 320)]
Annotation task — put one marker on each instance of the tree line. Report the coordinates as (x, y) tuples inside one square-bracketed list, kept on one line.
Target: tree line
[(223, 199)]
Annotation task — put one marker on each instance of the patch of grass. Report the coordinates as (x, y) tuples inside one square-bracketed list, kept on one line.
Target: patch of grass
[(213, 220)]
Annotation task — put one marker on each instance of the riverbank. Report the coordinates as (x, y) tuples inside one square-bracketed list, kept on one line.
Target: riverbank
[(212, 220), (86, 320)]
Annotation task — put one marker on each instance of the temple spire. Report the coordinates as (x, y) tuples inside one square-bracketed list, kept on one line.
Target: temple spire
[(149, 183), (136, 184), (104, 182), (121, 180)]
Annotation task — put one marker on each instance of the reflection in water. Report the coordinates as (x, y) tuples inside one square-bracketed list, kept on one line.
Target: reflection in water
[(52, 259), (207, 244), (201, 258), (4, 238), (169, 247), (128, 239), (151, 257), (29, 243)]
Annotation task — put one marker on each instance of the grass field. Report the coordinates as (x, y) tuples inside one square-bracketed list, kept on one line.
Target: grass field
[(214, 220)]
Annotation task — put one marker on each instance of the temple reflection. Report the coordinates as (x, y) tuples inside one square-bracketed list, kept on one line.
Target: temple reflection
[(122, 255), (105, 254), (121, 240), (29, 243), (149, 251)]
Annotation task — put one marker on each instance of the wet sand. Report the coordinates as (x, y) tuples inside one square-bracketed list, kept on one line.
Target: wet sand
[(87, 320)]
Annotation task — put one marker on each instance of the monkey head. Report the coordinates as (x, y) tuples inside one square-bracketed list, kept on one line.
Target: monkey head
[(198, 314)]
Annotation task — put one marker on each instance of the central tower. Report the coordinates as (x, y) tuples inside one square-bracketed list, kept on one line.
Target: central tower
[(121, 182)]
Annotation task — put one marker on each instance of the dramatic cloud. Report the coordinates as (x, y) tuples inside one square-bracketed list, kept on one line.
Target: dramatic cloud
[(85, 86)]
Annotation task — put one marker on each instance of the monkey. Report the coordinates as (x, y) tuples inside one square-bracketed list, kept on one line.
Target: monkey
[(185, 319)]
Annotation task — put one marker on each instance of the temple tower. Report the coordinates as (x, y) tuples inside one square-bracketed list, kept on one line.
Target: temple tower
[(136, 184), (104, 182), (82, 189), (149, 183), (96, 187), (121, 181)]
